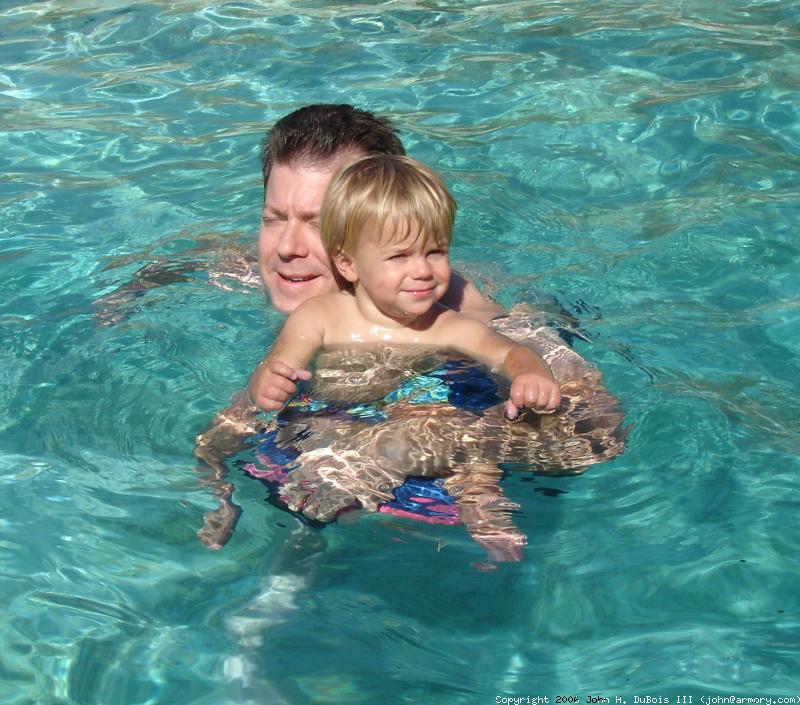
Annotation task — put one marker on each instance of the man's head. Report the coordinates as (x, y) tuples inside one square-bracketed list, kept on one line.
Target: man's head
[(386, 198), (315, 134), (301, 153)]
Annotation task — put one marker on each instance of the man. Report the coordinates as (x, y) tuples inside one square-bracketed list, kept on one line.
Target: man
[(300, 156)]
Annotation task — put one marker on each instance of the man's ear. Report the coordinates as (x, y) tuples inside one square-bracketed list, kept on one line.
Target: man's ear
[(347, 268)]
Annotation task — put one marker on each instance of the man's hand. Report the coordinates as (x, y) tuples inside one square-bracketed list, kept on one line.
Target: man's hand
[(273, 384), (537, 392)]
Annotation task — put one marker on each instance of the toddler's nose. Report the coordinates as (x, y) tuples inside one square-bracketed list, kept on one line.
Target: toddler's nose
[(422, 269)]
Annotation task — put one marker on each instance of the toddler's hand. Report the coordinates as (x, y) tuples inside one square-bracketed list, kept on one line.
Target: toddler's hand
[(537, 392), (273, 384)]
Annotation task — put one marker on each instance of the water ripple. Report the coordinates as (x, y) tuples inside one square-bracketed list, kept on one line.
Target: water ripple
[(631, 167)]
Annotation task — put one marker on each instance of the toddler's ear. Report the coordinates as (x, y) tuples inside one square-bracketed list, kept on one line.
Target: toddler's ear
[(346, 267)]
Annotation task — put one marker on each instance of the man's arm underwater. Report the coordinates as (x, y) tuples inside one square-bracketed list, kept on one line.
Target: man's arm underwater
[(224, 437)]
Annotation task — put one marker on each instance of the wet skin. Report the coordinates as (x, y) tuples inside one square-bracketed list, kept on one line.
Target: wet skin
[(348, 464), (291, 259), (293, 267)]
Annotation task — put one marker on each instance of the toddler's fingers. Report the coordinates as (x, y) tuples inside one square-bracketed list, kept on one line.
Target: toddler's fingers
[(272, 395), (517, 395), (271, 405), (278, 384), (511, 409), (548, 400), (535, 396), (281, 368), (554, 399)]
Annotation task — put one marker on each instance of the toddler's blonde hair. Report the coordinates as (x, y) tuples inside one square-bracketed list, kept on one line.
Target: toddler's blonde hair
[(385, 190)]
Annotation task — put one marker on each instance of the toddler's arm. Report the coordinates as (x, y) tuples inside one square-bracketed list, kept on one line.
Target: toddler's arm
[(532, 382), (272, 383)]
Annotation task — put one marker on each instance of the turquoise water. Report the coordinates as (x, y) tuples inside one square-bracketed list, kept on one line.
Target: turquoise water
[(635, 161)]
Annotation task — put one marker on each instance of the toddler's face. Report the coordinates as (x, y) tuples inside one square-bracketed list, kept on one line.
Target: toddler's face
[(405, 277)]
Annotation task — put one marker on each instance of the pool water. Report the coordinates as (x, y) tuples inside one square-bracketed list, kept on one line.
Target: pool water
[(634, 163)]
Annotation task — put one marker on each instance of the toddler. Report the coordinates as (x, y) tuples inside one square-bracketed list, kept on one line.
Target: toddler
[(386, 224)]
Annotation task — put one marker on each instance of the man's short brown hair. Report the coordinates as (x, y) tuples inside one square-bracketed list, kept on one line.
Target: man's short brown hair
[(317, 133)]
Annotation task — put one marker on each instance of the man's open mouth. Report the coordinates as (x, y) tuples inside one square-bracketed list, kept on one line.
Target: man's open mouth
[(298, 279)]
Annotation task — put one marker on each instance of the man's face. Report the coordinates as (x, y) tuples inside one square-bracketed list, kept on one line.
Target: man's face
[(291, 259)]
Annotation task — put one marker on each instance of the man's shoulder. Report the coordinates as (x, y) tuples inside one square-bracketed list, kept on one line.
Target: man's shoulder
[(322, 302), (463, 296)]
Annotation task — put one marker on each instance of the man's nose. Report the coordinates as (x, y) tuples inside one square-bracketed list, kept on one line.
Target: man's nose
[(293, 240)]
